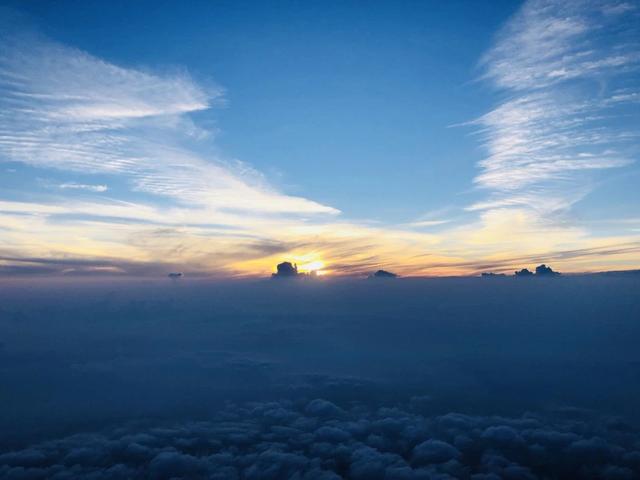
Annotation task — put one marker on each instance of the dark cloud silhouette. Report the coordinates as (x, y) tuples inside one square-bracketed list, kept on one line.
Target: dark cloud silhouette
[(286, 270), (478, 266), (525, 272), (383, 274), (543, 270)]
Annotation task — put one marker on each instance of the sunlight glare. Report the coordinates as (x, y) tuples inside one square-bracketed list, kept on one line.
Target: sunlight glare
[(314, 266)]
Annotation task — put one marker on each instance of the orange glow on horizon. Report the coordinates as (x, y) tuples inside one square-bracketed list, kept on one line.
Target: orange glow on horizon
[(314, 266)]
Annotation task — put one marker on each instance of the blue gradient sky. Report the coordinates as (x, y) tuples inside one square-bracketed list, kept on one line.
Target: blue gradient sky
[(426, 137)]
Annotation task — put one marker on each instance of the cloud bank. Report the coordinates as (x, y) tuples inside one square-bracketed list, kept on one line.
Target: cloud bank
[(319, 440), (256, 379)]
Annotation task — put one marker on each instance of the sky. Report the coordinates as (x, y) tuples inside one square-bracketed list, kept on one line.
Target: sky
[(218, 139)]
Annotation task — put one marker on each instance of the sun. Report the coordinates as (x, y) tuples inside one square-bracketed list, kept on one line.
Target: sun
[(314, 266)]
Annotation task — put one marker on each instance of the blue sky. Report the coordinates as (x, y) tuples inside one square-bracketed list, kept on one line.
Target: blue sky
[(428, 137), (318, 94)]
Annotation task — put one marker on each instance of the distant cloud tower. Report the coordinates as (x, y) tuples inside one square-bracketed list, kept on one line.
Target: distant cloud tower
[(383, 274), (544, 270), (286, 270), (541, 271), (525, 272)]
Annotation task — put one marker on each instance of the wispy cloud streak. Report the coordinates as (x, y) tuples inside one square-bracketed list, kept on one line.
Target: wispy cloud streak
[(83, 186), (175, 204), (567, 69), (62, 108)]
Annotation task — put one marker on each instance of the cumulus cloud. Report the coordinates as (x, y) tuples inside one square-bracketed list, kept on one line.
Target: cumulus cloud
[(427, 379), (320, 407), (374, 442), (434, 451)]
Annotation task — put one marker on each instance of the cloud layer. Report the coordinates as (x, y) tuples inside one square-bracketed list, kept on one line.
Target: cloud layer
[(414, 378), (319, 440)]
